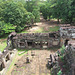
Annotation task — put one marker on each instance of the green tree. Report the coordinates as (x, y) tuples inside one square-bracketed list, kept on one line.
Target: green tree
[(36, 13), (46, 10), (31, 4), (70, 11), (13, 12), (6, 28), (33, 7), (63, 9), (59, 9), (30, 18)]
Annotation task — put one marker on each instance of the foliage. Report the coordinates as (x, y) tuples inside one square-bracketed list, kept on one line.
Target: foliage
[(62, 49), (36, 13), (19, 28), (21, 12), (33, 7), (46, 10), (29, 17), (13, 12), (6, 28), (62, 58), (59, 9), (59, 73)]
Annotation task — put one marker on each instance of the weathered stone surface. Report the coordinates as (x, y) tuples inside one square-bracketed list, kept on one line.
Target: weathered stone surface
[(36, 40)]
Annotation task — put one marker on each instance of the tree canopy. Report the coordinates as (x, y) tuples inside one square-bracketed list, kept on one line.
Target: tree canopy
[(59, 9), (18, 13)]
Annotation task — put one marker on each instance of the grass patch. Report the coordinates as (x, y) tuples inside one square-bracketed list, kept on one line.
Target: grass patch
[(17, 71), (21, 50), (24, 32), (3, 45), (52, 29), (23, 67), (13, 61)]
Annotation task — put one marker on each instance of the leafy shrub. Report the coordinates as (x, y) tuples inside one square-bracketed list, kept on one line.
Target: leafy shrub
[(6, 28), (62, 58), (29, 18), (62, 49), (59, 73), (36, 13), (19, 29), (1, 33), (13, 12)]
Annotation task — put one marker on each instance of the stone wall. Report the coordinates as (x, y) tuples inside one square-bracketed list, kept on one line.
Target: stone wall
[(35, 40), (6, 58), (67, 32), (42, 40)]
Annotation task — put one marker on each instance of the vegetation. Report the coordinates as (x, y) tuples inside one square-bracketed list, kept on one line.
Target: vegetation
[(16, 58), (62, 50), (59, 73), (59, 9), (15, 14), (22, 50), (52, 29), (6, 28), (3, 45)]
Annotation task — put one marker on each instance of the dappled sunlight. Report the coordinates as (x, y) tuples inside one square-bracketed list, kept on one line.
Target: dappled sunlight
[(35, 30), (46, 26)]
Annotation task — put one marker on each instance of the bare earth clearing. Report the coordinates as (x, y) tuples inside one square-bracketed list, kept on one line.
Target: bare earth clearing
[(43, 26)]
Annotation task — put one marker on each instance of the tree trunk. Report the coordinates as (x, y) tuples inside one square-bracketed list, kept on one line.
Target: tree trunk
[(58, 20)]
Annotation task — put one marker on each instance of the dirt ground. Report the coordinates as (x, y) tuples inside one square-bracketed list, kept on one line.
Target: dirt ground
[(37, 65), (43, 25)]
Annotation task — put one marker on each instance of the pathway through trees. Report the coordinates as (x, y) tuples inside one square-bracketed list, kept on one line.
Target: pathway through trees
[(43, 26)]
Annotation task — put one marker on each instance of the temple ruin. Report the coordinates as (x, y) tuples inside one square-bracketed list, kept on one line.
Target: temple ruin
[(35, 40), (65, 36), (68, 65), (67, 33), (42, 40), (5, 60)]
